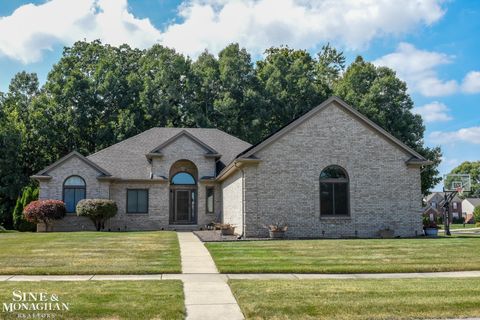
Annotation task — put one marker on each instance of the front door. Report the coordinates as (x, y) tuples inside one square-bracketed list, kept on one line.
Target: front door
[(183, 205)]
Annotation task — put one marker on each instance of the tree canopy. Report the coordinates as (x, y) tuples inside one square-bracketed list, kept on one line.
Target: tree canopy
[(473, 169), (97, 95)]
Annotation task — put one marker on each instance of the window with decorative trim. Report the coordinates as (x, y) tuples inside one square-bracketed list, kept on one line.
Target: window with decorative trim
[(74, 190), (334, 192)]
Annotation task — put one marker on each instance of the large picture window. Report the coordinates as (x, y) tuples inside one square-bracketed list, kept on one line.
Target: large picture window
[(137, 201), (74, 190), (334, 192)]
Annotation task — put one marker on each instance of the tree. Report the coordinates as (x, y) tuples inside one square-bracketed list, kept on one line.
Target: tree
[(476, 214), (44, 211), (473, 169), (29, 194), (97, 210), (381, 96)]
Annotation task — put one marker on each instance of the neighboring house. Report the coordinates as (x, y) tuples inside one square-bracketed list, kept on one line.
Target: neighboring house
[(330, 173), (436, 200), (469, 204)]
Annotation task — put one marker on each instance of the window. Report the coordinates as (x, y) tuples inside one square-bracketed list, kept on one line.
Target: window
[(455, 206), (73, 191), (137, 201), (334, 192), (183, 178), (210, 199), (434, 205)]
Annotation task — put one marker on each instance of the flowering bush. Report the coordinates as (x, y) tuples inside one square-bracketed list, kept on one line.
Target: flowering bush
[(98, 210), (44, 211)]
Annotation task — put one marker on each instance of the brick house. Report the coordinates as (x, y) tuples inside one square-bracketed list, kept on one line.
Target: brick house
[(436, 200), (330, 173)]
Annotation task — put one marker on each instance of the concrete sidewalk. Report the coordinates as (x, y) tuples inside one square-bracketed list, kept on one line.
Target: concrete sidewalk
[(224, 277), (207, 296)]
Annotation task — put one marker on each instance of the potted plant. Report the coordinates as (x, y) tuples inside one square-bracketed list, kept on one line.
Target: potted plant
[(386, 233), (430, 228), (277, 231), (227, 229)]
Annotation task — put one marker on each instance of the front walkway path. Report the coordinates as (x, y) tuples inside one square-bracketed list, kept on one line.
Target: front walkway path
[(207, 295)]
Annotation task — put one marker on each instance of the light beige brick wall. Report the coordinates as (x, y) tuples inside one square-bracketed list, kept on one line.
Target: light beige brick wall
[(284, 187), (158, 216), (232, 190)]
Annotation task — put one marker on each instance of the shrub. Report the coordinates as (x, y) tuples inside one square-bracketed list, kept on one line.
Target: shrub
[(45, 211), (476, 214), (29, 194), (98, 210), (2, 229), (458, 220)]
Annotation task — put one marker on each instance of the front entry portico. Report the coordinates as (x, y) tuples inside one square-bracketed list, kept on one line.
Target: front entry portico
[(183, 193)]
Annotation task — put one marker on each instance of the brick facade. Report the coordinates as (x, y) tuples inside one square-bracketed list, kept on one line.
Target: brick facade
[(276, 183), (284, 186)]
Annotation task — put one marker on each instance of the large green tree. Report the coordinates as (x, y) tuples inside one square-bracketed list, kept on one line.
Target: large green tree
[(382, 97), (473, 169)]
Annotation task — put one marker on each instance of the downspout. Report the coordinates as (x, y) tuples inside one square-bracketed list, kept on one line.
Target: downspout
[(242, 236)]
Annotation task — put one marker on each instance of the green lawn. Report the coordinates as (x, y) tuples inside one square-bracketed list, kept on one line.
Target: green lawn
[(89, 253), (358, 299), (104, 299), (348, 256)]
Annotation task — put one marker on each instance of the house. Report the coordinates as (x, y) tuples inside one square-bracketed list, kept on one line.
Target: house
[(469, 205), (330, 173), (436, 200)]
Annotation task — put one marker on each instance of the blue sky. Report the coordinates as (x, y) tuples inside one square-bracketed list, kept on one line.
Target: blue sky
[(432, 44)]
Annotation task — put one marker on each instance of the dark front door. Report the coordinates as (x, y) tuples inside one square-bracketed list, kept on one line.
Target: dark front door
[(183, 206)]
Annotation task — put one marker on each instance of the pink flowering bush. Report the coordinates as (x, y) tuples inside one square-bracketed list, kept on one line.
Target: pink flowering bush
[(45, 211)]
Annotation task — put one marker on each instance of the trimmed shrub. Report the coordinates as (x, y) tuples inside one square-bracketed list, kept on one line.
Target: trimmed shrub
[(45, 211), (476, 214), (29, 194), (98, 210)]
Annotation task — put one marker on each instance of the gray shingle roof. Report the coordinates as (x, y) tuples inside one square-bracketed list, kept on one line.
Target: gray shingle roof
[(127, 160), (474, 201)]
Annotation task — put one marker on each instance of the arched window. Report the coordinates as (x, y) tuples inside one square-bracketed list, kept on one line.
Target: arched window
[(334, 192), (183, 178), (74, 189)]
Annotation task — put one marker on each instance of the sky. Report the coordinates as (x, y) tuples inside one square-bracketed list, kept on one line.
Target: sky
[(433, 45)]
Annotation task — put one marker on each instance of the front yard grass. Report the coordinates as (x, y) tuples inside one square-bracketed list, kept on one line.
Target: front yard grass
[(358, 299), (103, 299), (89, 253), (348, 256)]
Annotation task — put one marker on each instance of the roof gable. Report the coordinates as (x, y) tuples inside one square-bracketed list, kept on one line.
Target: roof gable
[(209, 150), (416, 157), (72, 154)]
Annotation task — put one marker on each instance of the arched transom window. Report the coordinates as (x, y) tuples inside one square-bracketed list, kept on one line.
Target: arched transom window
[(334, 192), (183, 178), (74, 190)]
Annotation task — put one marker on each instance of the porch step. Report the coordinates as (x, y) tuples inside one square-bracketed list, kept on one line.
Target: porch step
[(184, 227)]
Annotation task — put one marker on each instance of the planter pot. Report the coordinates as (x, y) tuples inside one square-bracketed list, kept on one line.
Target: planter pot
[(276, 234), (386, 234), (228, 232), (431, 232)]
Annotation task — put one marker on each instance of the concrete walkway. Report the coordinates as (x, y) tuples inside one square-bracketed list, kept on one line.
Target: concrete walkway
[(207, 295), (224, 277)]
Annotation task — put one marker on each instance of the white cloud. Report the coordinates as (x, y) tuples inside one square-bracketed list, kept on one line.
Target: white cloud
[(418, 69), (471, 135), (32, 29), (471, 82), (212, 24), (433, 112), (260, 24)]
